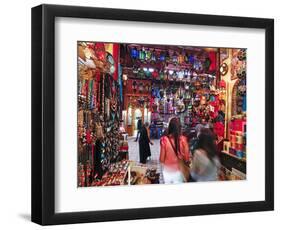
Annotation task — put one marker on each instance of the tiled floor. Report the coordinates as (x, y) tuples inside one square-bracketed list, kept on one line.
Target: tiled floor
[(155, 152)]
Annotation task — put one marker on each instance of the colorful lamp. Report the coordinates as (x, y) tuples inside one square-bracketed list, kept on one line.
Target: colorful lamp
[(175, 57), (148, 55), (162, 56), (134, 53)]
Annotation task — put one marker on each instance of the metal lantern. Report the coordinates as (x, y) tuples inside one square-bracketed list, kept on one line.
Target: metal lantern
[(134, 53), (181, 57), (148, 55), (153, 56), (191, 59), (167, 57), (175, 57), (142, 54), (162, 56)]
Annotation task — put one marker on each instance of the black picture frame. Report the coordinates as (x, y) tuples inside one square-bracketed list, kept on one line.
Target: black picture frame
[(43, 113)]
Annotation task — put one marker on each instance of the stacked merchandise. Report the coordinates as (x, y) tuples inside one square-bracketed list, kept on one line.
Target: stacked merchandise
[(238, 137), (115, 175), (234, 152)]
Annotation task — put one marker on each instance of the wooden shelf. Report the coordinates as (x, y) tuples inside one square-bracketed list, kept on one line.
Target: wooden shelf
[(241, 159)]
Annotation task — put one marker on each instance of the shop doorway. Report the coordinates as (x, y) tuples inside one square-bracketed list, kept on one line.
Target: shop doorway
[(137, 116)]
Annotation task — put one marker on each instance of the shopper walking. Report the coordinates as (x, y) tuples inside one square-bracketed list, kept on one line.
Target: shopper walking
[(139, 126), (205, 163), (144, 141), (174, 154)]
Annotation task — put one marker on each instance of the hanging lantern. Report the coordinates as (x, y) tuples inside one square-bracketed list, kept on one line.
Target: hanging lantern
[(151, 70), (153, 56), (141, 73), (148, 71), (135, 70), (134, 86), (155, 74), (142, 54), (141, 87), (181, 57), (161, 75), (148, 55), (161, 93), (196, 64), (175, 74), (186, 58), (207, 64), (167, 57), (175, 57), (191, 59), (181, 74), (162, 56), (134, 53)]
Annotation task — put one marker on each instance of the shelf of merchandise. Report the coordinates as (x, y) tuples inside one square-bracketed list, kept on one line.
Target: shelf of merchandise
[(241, 159)]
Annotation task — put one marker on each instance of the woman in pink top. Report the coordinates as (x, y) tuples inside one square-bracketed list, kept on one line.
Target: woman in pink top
[(174, 146)]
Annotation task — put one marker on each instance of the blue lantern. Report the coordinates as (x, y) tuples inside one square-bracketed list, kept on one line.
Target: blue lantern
[(191, 59), (134, 53), (162, 56)]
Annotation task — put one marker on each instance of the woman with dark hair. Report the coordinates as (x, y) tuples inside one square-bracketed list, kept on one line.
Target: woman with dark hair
[(174, 152), (205, 163)]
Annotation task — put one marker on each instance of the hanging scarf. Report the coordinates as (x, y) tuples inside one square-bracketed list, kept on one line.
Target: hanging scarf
[(120, 83), (89, 94)]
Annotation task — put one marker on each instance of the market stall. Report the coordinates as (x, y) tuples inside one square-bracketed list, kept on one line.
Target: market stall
[(122, 84), (99, 103), (165, 81)]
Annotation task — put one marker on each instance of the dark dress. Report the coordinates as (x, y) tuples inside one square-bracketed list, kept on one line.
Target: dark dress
[(144, 147)]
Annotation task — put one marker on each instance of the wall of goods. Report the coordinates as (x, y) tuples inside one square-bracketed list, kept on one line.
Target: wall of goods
[(99, 98), (234, 150), (164, 81), (120, 83), (196, 84)]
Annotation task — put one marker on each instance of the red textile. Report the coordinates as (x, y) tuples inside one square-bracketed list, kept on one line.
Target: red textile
[(219, 129), (115, 56), (213, 58)]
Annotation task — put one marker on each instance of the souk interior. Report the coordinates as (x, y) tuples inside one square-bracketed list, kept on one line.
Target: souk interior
[(118, 84)]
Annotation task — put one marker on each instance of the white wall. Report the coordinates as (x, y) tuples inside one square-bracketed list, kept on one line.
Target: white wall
[(15, 112)]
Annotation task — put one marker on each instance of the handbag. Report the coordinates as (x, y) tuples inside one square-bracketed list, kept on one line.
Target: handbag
[(99, 131), (184, 168)]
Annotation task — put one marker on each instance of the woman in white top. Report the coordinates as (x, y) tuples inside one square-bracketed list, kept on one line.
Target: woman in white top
[(205, 162)]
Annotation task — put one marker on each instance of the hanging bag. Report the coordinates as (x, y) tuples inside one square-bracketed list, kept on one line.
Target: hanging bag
[(184, 168), (99, 131)]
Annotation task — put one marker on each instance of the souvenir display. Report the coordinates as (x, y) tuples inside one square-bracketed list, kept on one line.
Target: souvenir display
[(157, 83), (98, 113)]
